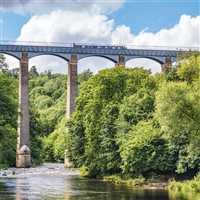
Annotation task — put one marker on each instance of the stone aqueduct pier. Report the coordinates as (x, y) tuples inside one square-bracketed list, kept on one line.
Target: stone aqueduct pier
[(72, 53)]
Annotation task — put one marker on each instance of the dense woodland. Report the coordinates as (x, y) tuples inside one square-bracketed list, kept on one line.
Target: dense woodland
[(127, 121)]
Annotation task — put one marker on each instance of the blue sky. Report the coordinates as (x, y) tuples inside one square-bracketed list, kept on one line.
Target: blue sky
[(138, 15), (154, 15), (148, 23)]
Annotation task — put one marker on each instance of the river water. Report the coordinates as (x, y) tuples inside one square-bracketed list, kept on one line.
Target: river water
[(54, 182)]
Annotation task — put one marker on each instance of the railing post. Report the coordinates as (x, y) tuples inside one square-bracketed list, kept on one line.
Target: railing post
[(23, 158)]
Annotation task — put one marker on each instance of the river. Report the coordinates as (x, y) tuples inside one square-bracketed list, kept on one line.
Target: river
[(54, 182)]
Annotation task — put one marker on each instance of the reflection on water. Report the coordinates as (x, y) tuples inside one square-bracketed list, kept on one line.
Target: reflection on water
[(52, 181), (183, 195)]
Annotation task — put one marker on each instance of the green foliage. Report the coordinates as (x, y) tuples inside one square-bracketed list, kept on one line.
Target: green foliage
[(143, 149), (184, 190), (84, 171), (48, 108), (178, 108), (92, 129), (189, 69), (8, 120), (36, 142), (75, 141), (54, 145), (137, 107), (3, 64), (120, 179), (33, 72), (83, 77), (12, 72), (128, 121)]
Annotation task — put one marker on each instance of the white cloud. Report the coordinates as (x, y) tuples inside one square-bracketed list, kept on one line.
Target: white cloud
[(32, 7), (184, 34), (69, 27), (122, 35)]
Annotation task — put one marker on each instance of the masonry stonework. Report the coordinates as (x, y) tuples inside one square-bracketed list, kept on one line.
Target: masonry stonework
[(72, 93), (23, 158), (72, 85), (121, 61), (167, 67)]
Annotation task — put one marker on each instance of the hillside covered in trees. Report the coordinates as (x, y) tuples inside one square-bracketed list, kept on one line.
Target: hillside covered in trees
[(127, 121)]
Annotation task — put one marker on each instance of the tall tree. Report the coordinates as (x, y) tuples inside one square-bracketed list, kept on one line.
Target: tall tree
[(177, 110), (33, 73), (8, 120), (93, 123), (3, 64)]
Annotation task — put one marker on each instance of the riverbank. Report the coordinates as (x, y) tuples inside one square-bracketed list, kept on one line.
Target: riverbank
[(184, 189), (182, 183)]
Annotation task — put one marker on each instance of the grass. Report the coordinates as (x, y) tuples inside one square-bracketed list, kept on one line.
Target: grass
[(189, 190)]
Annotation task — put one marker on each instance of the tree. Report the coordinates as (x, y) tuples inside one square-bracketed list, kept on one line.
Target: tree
[(189, 67), (145, 150), (55, 143), (177, 110), (83, 77), (92, 128), (33, 72), (8, 120), (47, 109), (3, 64), (35, 139)]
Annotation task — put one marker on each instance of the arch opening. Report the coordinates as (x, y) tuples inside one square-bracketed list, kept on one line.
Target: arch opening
[(100, 56), (94, 63), (49, 54), (146, 63), (12, 61), (53, 63), (9, 55)]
